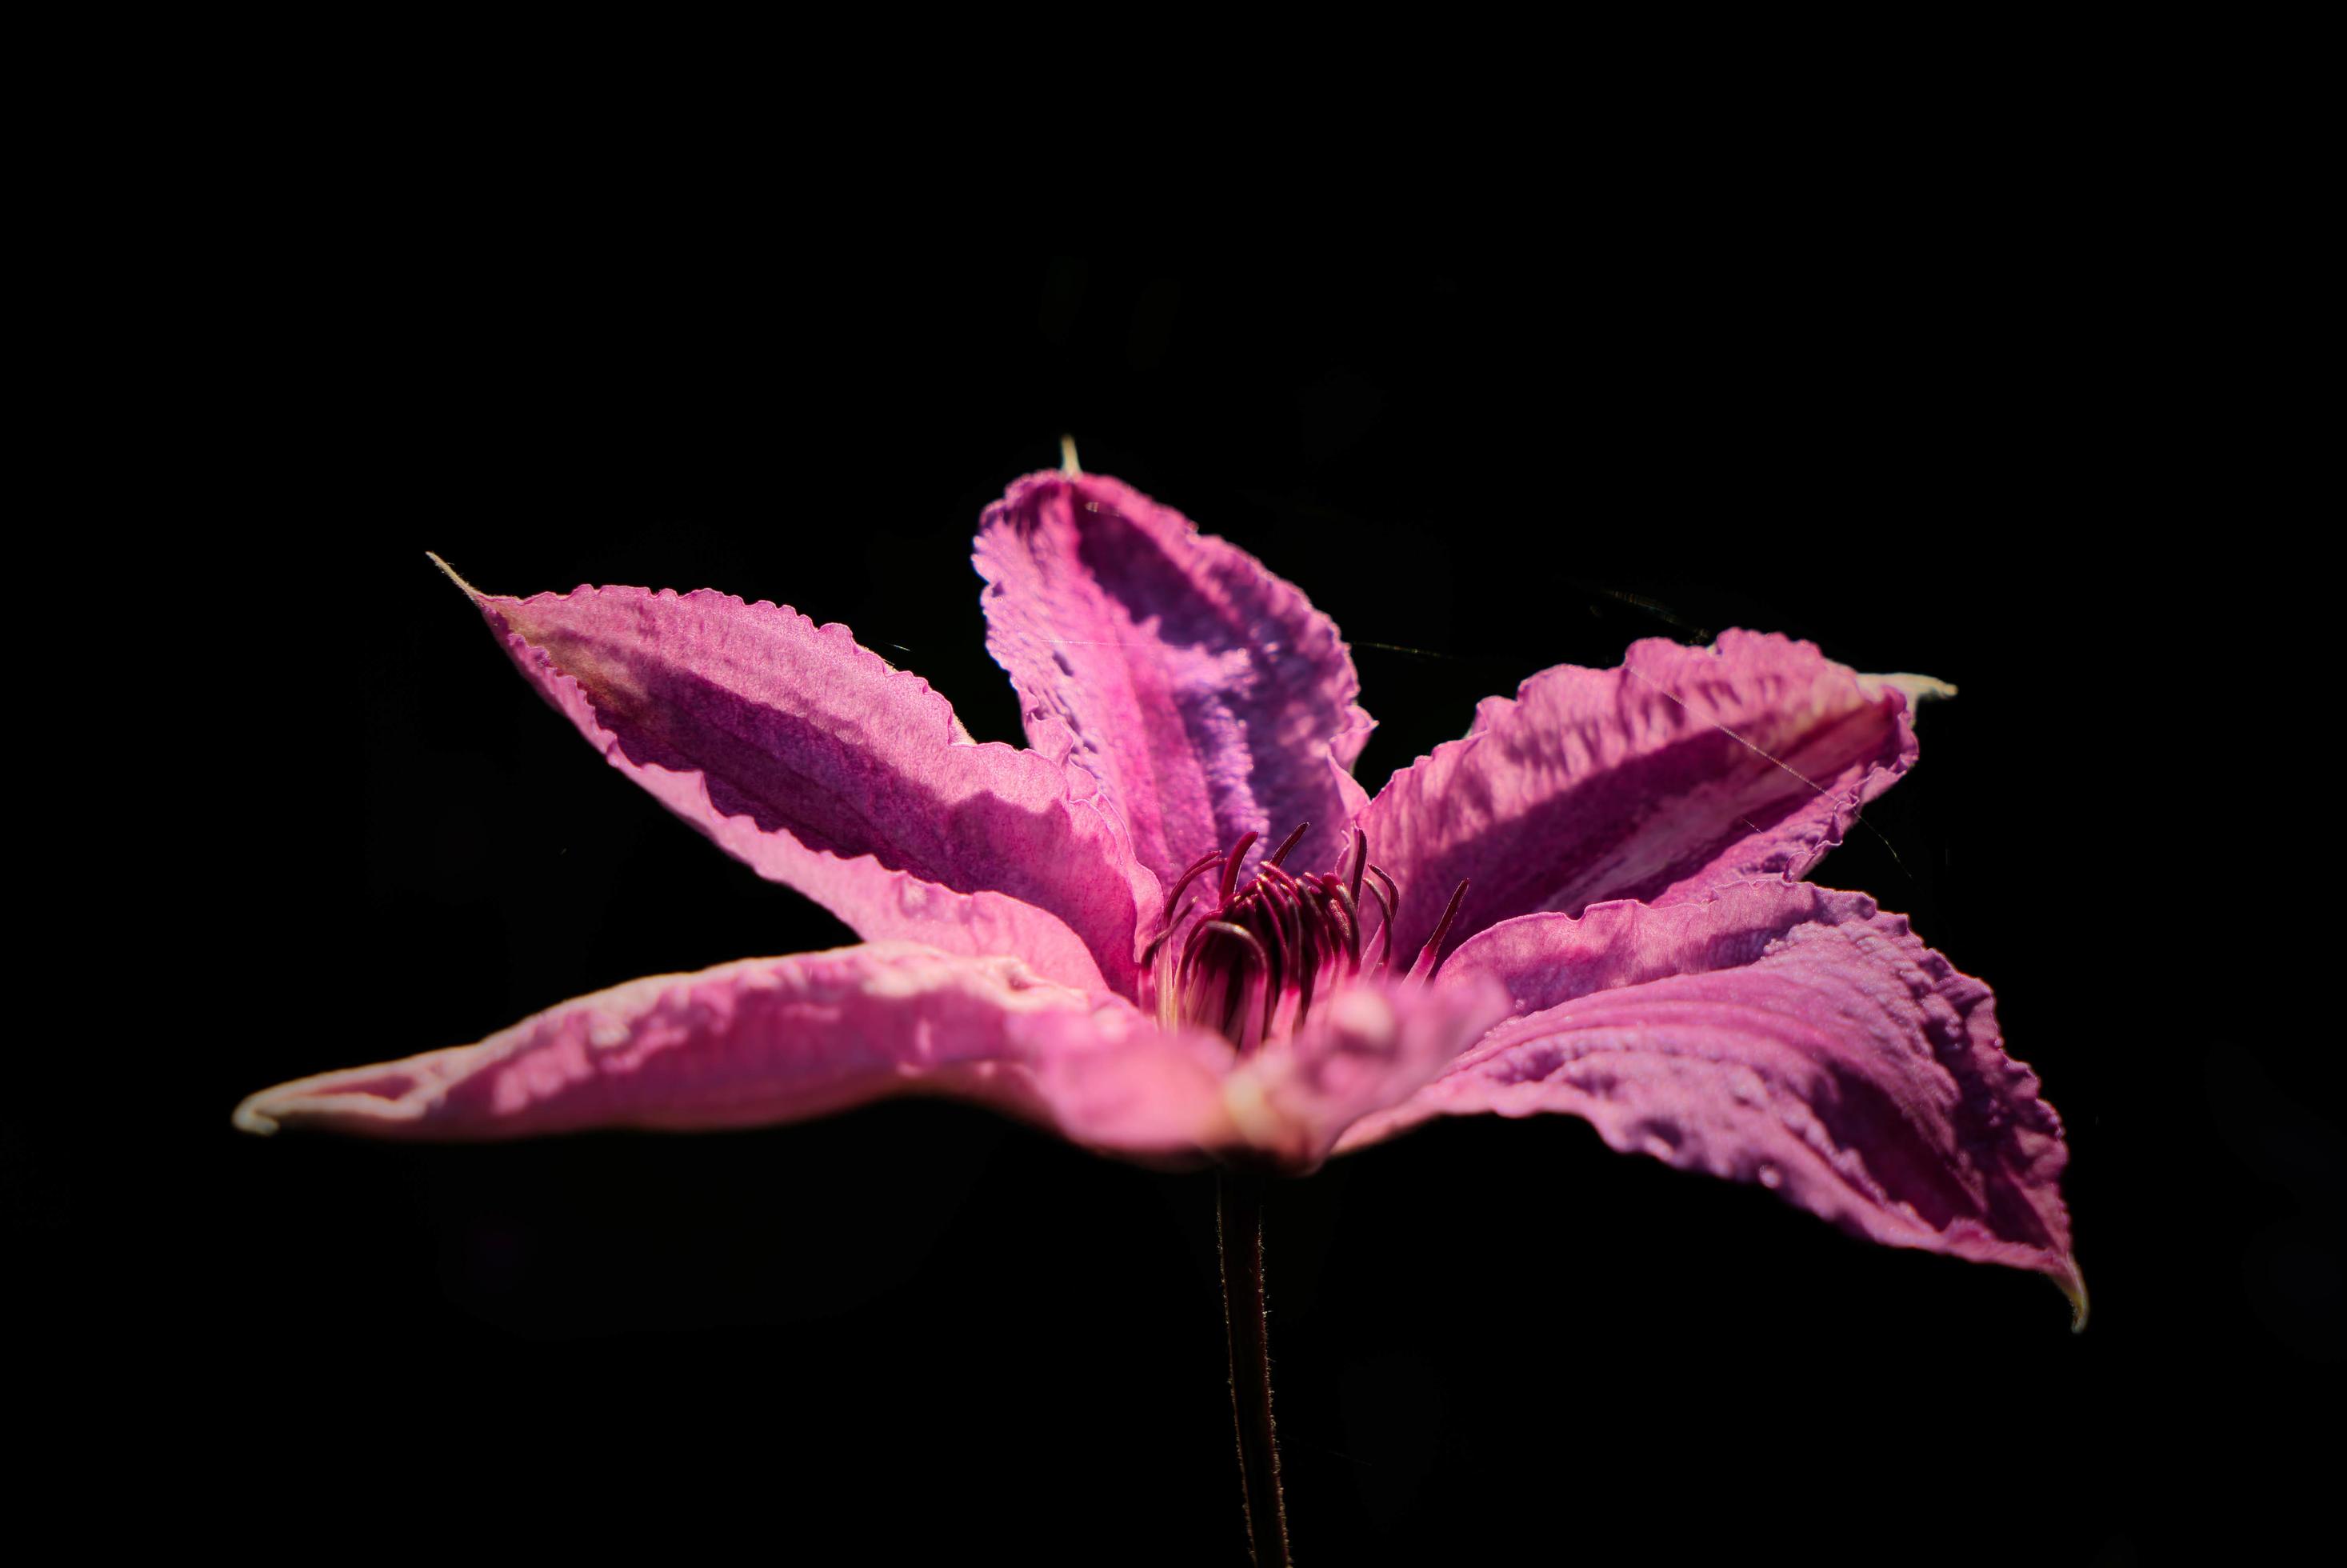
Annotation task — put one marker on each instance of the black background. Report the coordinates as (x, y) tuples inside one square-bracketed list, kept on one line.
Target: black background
[(1941, 438)]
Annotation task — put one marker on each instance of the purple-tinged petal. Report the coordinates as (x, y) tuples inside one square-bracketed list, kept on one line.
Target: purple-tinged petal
[(821, 766), (1683, 769), (781, 1039), (1778, 1033), (1204, 693), (1371, 1047)]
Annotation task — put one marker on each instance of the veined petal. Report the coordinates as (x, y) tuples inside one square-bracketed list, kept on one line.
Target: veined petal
[(822, 767), (1371, 1047), (1685, 769), (780, 1039), (1204, 693), (1782, 1034)]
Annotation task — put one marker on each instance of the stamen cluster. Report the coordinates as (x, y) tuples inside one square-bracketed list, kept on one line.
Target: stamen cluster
[(1234, 964)]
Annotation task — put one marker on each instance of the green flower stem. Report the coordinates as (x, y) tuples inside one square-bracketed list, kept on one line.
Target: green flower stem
[(1238, 1201)]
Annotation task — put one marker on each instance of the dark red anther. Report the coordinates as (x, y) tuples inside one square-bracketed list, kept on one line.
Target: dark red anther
[(1236, 993), (1280, 875), (1431, 955), (1307, 965), (1187, 877), (1393, 894), (1287, 844), (1279, 899), (1231, 867), (1393, 901), (1385, 928), (1351, 914), (1278, 912), (1173, 898), (1188, 961), (1295, 897), (1275, 977), (1360, 861), (1312, 915)]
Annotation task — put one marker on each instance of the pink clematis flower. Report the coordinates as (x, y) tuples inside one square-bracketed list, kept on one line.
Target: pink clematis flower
[(1175, 927)]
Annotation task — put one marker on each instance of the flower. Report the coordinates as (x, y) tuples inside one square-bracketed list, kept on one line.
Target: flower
[(1174, 927)]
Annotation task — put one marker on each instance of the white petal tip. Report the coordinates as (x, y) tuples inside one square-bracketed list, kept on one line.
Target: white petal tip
[(1068, 465), (2074, 1288), (1918, 688), (250, 1118), (470, 591)]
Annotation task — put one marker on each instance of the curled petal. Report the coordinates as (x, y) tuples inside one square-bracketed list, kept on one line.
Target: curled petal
[(1683, 769), (1782, 1034), (1204, 693), (1371, 1047), (781, 1039), (822, 767)]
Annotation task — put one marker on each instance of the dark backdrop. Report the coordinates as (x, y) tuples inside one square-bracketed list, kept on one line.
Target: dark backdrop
[(1930, 442)]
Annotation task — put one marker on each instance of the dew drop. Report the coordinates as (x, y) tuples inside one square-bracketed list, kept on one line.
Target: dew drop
[(1769, 1176)]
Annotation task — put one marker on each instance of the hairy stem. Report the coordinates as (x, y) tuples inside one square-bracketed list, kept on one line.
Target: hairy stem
[(1238, 1203)]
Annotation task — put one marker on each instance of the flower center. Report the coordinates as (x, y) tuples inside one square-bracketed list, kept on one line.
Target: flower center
[(1246, 958)]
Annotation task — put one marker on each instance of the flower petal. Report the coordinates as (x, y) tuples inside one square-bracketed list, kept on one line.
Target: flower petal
[(1683, 769), (1783, 1034), (1371, 1047), (821, 766), (780, 1039), (1204, 693)]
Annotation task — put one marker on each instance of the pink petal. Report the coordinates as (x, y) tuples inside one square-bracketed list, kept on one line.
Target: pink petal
[(822, 767), (1783, 1034), (1371, 1047), (1685, 769), (1206, 695), (780, 1039)]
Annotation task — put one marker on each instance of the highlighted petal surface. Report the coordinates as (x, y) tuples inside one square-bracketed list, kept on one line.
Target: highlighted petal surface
[(1204, 693), (1371, 1047), (820, 765), (779, 1039), (1782, 1034), (1683, 769)]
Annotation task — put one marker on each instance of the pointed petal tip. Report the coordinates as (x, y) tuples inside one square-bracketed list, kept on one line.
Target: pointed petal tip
[(469, 590), (1918, 689), (2074, 1285), (249, 1117)]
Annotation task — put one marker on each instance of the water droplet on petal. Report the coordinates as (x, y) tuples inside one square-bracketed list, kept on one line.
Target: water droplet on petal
[(1769, 1176)]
